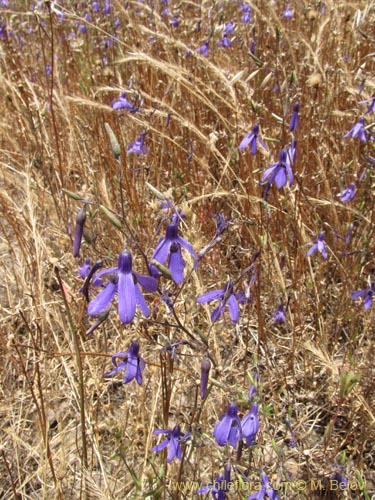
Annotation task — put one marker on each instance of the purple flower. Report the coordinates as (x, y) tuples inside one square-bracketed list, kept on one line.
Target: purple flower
[(228, 430), (203, 49), (266, 489), (371, 108), (171, 245), (348, 193), (367, 295), (95, 6), (227, 297), (251, 139), (279, 314), (246, 18), (288, 13), (123, 103), (220, 487), (224, 42), (340, 480), (294, 120), (172, 440), (250, 425), (125, 282), (279, 172), (138, 146), (131, 362), (84, 269), (318, 246), (358, 130)]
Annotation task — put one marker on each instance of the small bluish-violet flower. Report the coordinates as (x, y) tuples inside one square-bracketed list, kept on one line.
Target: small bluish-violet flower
[(228, 429), (227, 296), (169, 248), (246, 17), (225, 41), (250, 425), (279, 314), (251, 139), (294, 120), (172, 440), (367, 295), (348, 194), (318, 246), (371, 108), (287, 13), (124, 281), (340, 480), (138, 146), (131, 362), (220, 487), (358, 130), (203, 50), (279, 173), (266, 489), (253, 386), (123, 103)]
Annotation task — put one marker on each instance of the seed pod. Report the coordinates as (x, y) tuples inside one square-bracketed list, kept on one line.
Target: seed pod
[(205, 370), (78, 232)]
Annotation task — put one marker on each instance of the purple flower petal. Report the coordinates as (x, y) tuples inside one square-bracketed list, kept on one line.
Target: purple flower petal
[(126, 297), (233, 308), (212, 295), (102, 300), (177, 265), (141, 301)]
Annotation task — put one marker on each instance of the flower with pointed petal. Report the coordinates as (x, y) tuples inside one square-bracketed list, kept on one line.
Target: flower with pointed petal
[(172, 440), (138, 146), (220, 487), (250, 425), (169, 248), (227, 297), (279, 173), (228, 429), (358, 130), (348, 193), (367, 295), (319, 246), (131, 362), (123, 103), (125, 282), (294, 120), (279, 314), (251, 139)]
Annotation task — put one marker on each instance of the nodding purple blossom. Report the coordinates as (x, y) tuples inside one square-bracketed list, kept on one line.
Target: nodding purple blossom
[(279, 173), (228, 429), (371, 108), (279, 314), (203, 50), (169, 248), (358, 130), (131, 362), (340, 480), (123, 103), (251, 139), (173, 439), (227, 296), (78, 231), (347, 194), (138, 146), (95, 6), (287, 13), (107, 8), (225, 41), (294, 120), (266, 489), (367, 295), (318, 246), (220, 487), (250, 425), (124, 281), (246, 17)]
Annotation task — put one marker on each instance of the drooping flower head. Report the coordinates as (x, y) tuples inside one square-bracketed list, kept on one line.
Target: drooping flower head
[(251, 139), (125, 282), (347, 194), (287, 13), (220, 487), (227, 296), (138, 146), (318, 246), (279, 314), (250, 425), (367, 295), (266, 489), (228, 429), (172, 440), (123, 103), (294, 120), (131, 362), (169, 248), (280, 172), (358, 130)]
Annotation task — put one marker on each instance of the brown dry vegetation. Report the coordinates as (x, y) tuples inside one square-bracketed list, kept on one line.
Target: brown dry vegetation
[(68, 433)]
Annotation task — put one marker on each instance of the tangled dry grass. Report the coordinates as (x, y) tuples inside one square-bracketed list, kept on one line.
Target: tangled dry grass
[(68, 433)]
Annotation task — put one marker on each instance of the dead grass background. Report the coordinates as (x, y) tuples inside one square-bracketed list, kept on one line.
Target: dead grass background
[(53, 140)]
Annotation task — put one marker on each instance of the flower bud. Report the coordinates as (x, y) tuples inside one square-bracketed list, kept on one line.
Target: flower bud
[(205, 370), (78, 232)]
